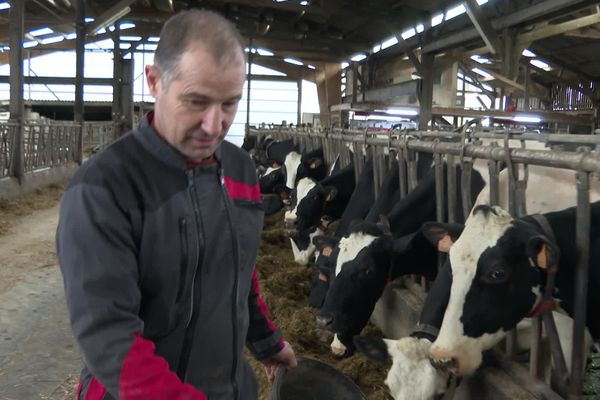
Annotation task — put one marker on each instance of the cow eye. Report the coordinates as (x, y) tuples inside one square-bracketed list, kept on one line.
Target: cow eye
[(497, 274)]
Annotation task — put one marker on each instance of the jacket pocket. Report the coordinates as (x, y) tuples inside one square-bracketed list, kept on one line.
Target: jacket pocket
[(183, 257), (248, 221)]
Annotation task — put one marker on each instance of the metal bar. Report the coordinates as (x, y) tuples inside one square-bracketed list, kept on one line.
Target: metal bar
[(299, 86), (16, 26), (467, 200), (249, 80), (582, 237), (79, 71), (402, 176), (452, 206)]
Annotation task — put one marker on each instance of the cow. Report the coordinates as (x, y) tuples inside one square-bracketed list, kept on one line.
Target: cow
[(499, 265), (357, 207), (298, 166), (368, 258), (413, 377), (271, 179), (312, 199)]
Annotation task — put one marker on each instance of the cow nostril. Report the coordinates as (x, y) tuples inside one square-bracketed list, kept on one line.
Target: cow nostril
[(449, 364), (324, 319)]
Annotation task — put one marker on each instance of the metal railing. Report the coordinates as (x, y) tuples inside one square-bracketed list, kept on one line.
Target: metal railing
[(466, 147), (48, 144)]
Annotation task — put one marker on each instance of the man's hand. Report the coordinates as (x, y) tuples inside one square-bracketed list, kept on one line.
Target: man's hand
[(285, 358)]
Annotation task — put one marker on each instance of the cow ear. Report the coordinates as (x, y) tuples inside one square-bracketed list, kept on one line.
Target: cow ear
[(441, 235), (323, 242), (373, 347), (330, 193), (404, 243), (542, 252), (314, 163), (384, 224)]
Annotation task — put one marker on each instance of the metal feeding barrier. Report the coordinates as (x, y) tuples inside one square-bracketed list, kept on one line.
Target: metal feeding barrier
[(400, 149), (48, 144)]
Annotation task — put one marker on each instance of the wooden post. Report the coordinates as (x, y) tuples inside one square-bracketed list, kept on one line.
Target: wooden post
[(78, 113)]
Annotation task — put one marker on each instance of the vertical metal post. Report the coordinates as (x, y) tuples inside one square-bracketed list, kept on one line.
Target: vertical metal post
[(299, 121), (582, 237), (117, 79), (249, 80), (402, 176), (452, 194), (79, 71), (16, 26)]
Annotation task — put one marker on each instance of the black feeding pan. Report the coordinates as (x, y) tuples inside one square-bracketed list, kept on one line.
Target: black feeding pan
[(314, 380)]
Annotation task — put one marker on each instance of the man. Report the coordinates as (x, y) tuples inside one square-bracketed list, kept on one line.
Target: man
[(158, 236)]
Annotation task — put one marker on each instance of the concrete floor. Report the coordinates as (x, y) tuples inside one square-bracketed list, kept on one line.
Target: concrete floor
[(38, 356)]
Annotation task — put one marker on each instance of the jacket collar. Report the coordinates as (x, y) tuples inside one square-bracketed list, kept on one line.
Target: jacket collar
[(156, 145)]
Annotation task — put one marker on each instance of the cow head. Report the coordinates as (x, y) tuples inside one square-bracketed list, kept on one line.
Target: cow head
[(306, 204), (411, 376), (360, 281), (302, 245), (361, 272), (322, 269), (497, 264), (291, 164), (272, 177)]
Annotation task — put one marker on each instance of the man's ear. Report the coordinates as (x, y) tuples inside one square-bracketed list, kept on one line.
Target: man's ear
[(542, 252), (330, 193), (442, 235), (153, 79)]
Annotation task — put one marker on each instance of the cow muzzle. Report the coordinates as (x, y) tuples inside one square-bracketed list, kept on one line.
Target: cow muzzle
[(443, 360), (324, 319), (289, 224)]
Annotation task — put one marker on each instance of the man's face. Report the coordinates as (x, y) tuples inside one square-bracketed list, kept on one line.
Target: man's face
[(194, 112)]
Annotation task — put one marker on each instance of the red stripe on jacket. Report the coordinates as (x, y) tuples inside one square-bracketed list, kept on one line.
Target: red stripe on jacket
[(146, 376), (240, 190), (95, 390), (262, 305)]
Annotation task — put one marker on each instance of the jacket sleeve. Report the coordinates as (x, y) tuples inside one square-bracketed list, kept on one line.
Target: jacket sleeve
[(264, 339), (97, 255)]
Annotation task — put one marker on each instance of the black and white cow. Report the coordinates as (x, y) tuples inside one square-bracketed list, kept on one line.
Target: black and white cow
[(271, 179), (298, 166), (413, 377), (312, 199), (278, 150), (499, 266), (358, 206), (368, 258)]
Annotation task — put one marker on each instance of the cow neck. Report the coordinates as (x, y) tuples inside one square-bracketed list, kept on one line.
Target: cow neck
[(548, 303)]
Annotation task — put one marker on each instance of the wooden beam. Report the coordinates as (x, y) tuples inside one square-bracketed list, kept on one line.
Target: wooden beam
[(111, 15), (573, 85), (552, 30), (483, 26)]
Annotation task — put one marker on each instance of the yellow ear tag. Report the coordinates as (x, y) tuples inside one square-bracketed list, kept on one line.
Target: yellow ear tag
[(542, 257), (444, 244)]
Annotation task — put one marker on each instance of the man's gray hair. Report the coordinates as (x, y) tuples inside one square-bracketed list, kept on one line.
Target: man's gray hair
[(206, 29)]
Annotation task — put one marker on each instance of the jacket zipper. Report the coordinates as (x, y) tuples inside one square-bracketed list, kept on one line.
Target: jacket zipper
[(184, 258), (184, 356), (228, 208)]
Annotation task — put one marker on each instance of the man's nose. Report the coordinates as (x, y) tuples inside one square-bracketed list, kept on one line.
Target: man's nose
[(212, 122)]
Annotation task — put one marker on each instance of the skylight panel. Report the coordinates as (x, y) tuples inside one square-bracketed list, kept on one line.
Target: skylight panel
[(41, 31), (455, 12)]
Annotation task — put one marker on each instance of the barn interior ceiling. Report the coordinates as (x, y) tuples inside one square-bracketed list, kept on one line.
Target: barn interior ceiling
[(563, 32)]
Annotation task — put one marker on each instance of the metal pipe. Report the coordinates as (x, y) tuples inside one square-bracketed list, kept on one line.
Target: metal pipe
[(452, 206), (582, 237)]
